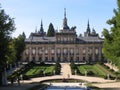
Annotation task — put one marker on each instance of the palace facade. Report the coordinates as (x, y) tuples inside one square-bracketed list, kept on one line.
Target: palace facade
[(65, 46)]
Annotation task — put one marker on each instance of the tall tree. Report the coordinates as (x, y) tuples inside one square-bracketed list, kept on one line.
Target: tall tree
[(19, 45), (51, 31), (11, 55), (111, 47), (6, 28)]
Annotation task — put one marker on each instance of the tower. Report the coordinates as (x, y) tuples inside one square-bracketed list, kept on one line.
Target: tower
[(65, 26), (88, 31), (41, 28), (88, 28)]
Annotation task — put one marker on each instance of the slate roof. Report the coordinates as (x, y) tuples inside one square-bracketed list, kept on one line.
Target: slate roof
[(89, 39), (40, 39)]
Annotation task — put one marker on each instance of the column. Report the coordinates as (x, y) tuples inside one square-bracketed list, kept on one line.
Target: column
[(55, 54), (61, 54), (100, 52), (36, 56), (80, 54), (30, 55), (43, 54), (68, 54), (93, 51), (74, 53)]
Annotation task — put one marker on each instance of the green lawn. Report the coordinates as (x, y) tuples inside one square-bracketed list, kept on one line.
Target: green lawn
[(96, 69), (38, 70)]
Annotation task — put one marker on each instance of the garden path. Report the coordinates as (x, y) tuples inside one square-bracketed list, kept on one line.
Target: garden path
[(65, 70)]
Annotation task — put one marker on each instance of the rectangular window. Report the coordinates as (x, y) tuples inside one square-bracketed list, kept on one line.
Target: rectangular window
[(40, 51), (33, 51), (84, 51), (27, 51), (52, 51), (96, 51)]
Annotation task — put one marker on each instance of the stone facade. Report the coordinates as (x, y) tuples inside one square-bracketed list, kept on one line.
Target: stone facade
[(65, 46)]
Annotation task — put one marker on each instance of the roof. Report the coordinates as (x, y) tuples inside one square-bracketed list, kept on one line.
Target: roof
[(40, 39), (91, 39), (46, 39)]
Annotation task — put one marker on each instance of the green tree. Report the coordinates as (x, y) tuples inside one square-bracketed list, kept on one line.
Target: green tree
[(11, 55), (19, 46), (111, 47), (6, 28), (51, 31)]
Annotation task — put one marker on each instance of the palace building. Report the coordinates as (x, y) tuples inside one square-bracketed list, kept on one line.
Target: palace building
[(65, 46)]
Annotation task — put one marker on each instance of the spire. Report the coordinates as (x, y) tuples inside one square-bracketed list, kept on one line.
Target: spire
[(64, 12), (88, 27), (65, 26), (41, 28)]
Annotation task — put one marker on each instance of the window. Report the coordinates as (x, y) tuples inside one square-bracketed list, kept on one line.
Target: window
[(33, 58), (27, 51), (40, 59), (77, 51), (71, 51), (52, 51), (89, 50), (40, 51), (46, 51), (33, 51), (46, 58), (58, 38), (52, 58), (83, 58), (96, 51), (65, 51), (58, 50), (71, 39), (83, 51)]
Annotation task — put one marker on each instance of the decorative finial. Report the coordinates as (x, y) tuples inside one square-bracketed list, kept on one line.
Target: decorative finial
[(88, 23), (64, 12), (88, 27), (41, 23)]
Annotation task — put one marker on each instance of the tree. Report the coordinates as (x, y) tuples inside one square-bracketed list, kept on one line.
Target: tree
[(111, 46), (6, 28), (19, 46), (51, 31), (11, 55)]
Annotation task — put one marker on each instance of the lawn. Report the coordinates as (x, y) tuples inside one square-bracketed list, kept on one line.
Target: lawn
[(94, 70), (40, 70)]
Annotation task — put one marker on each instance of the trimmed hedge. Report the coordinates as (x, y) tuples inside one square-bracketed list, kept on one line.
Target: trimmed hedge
[(21, 71)]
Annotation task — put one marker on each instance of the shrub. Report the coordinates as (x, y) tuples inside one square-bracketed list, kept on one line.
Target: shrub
[(91, 73), (57, 68)]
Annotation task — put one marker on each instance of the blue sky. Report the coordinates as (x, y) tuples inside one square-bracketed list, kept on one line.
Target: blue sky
[(28, 14)]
